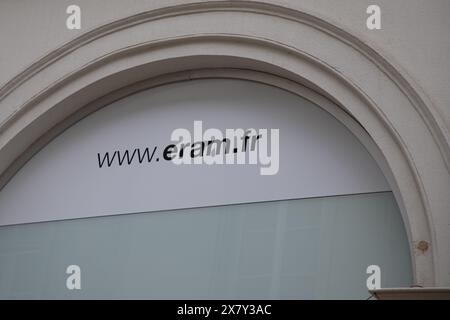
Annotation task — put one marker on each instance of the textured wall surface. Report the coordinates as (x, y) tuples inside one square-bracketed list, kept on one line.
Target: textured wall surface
[(414, 33), (394, 81)]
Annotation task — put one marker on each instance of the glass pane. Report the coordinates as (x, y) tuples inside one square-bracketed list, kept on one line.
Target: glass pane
[(306, 248)]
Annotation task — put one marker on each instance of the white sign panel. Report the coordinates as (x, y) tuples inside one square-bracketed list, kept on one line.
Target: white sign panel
[(113, 161)]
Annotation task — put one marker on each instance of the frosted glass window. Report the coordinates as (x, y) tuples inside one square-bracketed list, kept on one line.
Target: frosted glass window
[(307, 248)]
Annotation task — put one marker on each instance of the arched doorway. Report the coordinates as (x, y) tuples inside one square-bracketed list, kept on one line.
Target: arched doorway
[(144, 228), (294, 48)]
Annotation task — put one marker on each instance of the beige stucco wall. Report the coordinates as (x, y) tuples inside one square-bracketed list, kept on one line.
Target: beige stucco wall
[(414, 33), (413, 39)]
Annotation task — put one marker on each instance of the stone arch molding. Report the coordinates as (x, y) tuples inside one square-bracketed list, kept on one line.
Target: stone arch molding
[(286, 48)]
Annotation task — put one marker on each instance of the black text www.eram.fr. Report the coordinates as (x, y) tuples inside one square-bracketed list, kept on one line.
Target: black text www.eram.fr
[(236, 146)]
